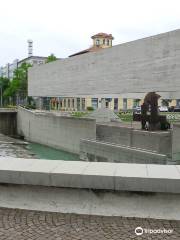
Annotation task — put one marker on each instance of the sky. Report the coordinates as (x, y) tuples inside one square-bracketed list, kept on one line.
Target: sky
[(63, 27)]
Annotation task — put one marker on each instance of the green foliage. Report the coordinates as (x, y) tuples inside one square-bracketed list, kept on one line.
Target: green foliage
[(29, 106), (4, 85), (18, 85), (51, 58), (90, 108), (79, 114), (126, 116), (4, 82)]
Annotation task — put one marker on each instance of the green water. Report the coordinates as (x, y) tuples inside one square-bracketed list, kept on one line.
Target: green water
[(44, 152)]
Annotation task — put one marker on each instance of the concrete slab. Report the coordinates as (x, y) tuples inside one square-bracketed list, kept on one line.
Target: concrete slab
[(163, 171), (131, 170), (99, 176), (163, 179), (39, 172), (68, 173), (12, 168), (130, 177)]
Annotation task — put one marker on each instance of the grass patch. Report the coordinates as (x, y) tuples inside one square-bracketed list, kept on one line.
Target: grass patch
[(126, 117), (79, 114)]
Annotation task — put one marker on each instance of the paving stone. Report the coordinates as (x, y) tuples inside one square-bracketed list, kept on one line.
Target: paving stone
[(18, 224)]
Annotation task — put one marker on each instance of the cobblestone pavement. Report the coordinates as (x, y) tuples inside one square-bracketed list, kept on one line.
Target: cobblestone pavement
[(24, 224)]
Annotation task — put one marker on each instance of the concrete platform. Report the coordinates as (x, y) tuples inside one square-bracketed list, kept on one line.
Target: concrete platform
[(91, 175)]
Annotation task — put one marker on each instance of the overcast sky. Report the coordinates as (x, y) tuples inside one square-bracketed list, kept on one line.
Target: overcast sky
[(63, 27)]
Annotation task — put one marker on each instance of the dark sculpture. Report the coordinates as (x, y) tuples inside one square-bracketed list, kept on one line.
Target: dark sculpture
[(150, 118), (150, 106)]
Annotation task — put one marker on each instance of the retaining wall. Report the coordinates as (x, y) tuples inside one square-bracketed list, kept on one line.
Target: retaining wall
[(56, 131), (152, 141), (94, 151), (8, 122), (176, 142)]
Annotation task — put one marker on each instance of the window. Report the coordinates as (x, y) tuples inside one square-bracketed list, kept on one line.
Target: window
[(83, 103), (68, 103), (95, 103), (115, 103), (64, 102), (97, 42), (78, 104), (73, 102), (178, 102), (136, 102), (124, 103), (104, 42), (107, 42)]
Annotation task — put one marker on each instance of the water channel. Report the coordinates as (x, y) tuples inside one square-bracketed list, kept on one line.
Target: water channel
[(11, 147)]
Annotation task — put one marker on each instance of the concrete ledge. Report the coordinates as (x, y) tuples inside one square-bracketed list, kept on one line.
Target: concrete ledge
[(91, 175), (96, 151)]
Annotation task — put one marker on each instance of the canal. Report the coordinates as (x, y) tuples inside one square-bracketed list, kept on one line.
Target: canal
[(44, 152), (11, 147)]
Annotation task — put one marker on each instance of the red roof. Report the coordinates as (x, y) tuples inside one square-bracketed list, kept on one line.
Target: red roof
[(94, 48), (102, 35), (91, 49)]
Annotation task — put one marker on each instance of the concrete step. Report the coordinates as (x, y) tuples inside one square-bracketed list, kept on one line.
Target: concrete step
[(91, 175)]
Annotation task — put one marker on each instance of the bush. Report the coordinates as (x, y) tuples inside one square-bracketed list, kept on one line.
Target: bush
[(78, 114), (90, 108), (30, 106)]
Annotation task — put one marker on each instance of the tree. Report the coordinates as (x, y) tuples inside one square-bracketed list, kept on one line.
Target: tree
[(51, 58), (18, 86), (4, 84)]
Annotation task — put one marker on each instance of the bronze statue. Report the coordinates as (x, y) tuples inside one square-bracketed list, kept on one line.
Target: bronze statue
[(150, 118)]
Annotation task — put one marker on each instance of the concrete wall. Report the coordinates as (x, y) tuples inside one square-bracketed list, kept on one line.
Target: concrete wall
[(149, 64), (114, 134), (152, 141), (55, 131), (94, 151), (8, 122), (176, 142)]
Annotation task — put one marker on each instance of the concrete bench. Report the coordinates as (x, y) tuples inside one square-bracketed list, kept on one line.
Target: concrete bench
[(91, 175)]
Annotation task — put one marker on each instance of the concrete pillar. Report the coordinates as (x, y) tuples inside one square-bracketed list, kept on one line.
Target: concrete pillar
[(103, 103), (40, 103), (80, 104), (75, 104)]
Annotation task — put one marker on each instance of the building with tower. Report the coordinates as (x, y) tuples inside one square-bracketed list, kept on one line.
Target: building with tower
[(121, 75), (8, 70), (100, 41)]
